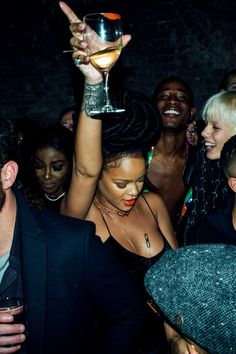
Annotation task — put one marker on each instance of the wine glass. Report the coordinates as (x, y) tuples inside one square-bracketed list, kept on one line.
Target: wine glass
[(103, 33)]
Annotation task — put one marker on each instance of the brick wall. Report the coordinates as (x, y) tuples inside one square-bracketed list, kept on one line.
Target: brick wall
[(194, 39)]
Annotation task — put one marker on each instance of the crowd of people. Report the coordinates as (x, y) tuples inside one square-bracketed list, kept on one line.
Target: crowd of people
[(119, 232)]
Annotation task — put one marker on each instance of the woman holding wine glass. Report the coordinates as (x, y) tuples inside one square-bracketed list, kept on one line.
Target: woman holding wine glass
[(108, 176)]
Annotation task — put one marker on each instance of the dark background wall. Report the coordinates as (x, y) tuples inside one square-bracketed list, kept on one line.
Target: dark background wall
[(189, 38)]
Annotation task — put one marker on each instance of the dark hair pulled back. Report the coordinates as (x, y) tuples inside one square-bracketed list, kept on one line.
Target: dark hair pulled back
[(132, 131)]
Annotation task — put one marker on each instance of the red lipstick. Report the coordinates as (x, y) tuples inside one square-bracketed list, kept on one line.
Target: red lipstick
[(130, 202)]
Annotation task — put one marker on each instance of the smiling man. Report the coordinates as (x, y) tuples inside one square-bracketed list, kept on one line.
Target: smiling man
[(168, 170)]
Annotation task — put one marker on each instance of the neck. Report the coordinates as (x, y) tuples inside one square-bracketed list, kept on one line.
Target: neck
[(7, 222), (171, 144), (100, 202)]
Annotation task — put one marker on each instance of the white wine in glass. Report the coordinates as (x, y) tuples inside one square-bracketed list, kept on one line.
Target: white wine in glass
[(106, 58), (103, 33)]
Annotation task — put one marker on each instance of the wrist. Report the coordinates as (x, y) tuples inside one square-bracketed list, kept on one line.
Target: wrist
[(93, 81), (93, 97)]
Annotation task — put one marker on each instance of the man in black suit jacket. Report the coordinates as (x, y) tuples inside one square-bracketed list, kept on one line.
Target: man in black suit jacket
[(78, 297)]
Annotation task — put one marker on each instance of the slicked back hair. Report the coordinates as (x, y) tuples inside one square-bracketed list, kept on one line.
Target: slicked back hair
[(57, 137)]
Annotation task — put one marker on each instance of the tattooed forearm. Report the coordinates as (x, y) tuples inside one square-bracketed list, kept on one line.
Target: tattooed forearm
[(93, 97)]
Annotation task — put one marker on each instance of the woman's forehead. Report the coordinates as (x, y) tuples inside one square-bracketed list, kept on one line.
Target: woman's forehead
[(126, 168)]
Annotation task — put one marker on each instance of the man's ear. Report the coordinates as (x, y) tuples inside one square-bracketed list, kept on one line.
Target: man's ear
[(232, 183), (8, 174)]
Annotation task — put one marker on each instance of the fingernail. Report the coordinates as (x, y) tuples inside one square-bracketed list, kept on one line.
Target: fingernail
[(22, 328)]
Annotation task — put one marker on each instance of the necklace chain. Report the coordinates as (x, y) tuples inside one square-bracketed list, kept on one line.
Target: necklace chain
[(54, 199), (107, 210), (148, 243)]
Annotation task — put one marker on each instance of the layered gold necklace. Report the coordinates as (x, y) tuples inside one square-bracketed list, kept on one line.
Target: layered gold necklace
[(108, 210)]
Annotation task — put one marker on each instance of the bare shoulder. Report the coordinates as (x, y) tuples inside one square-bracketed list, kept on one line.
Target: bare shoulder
[(154, 201), (153, 198)]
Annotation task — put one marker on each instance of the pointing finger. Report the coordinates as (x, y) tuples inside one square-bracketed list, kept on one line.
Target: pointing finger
[(125, 39), (68, 12)]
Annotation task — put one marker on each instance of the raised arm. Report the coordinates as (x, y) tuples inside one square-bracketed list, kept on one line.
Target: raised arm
[(87, 162), (88, 153)]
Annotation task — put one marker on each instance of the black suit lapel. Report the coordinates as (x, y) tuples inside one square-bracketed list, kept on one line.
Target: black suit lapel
[(34, 274), (35, 285)]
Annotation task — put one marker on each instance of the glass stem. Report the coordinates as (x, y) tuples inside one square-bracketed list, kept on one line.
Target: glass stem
[(106, 89)]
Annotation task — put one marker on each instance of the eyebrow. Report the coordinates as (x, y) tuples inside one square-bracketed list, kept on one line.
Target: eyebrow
[(170, 89), (53, 162), (213, 121), (128, 180)]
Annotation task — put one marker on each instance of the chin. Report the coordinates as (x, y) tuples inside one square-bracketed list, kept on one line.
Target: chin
[(171, 126), (213, 156), (50, 192)]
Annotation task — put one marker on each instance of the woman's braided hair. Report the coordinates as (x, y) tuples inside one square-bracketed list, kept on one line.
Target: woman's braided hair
[(132, 132)]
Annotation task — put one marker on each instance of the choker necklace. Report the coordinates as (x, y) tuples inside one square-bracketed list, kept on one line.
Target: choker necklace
[(108, 211), (54, 199)]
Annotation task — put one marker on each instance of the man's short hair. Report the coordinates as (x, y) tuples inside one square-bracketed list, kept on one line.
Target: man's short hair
[(228, 157), (188, 89), (8, 141), (195, 289), (224, 83)]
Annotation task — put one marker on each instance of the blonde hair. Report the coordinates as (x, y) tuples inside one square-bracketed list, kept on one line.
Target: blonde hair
[(221, 106)]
